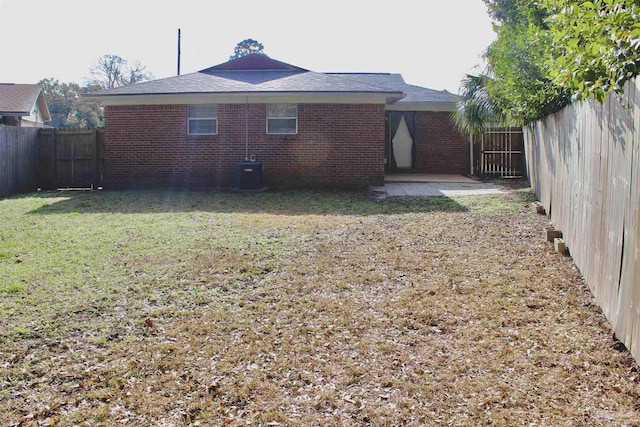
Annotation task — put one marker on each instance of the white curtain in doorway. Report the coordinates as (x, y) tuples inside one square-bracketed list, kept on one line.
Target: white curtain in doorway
[(402, 144)]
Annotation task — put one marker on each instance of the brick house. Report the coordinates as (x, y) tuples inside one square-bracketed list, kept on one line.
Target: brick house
[(308, 129)]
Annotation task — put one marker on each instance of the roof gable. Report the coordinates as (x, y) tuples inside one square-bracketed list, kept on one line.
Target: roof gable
[(253, 62)]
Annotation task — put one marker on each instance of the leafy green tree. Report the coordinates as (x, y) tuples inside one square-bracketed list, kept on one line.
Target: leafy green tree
[(515, 12), (110, 71), (516, 89), (67, 108), (521, 87), (247, 47), (549, 52), (595, 45)]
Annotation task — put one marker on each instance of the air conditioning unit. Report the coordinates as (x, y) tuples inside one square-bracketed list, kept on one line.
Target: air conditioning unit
[(249, 175)]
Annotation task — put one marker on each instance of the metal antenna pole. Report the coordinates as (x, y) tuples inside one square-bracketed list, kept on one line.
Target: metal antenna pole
[(178, 51)]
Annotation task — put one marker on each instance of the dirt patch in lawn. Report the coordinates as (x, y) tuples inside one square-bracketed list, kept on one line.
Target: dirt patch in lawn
[(170, 308)]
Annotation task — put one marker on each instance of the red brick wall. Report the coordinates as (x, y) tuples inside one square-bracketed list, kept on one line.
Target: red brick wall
[(440, 148), (337, 145)]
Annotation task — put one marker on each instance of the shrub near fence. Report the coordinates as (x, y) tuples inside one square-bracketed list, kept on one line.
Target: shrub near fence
[(18, 160), (584, 165)]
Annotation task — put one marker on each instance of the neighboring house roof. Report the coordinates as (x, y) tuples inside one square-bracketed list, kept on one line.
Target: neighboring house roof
[(19, 100), (258, 75)]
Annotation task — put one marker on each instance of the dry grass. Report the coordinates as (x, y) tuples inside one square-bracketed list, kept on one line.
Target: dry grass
[(168, 308)]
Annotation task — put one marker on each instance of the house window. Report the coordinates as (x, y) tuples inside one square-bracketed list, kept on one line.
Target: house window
[(282, 119), (203, 119)]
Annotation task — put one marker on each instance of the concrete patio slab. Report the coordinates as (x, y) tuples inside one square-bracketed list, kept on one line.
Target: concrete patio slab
[(445, 189), (419, 177), (430, 185)]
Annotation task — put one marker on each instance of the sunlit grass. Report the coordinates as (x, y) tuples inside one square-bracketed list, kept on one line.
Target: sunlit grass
[(298, 308)]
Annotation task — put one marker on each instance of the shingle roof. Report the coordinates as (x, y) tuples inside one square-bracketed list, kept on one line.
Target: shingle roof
[(224, 82), (385, 80), (423, 94), (258, 73), (18, 99), (413, 94), (249, 74)]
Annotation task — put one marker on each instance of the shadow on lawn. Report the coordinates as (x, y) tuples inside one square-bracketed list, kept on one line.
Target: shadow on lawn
[(278, 203)]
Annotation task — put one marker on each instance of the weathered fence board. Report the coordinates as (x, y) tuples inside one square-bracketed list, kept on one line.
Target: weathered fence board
[(584, 164), (18, 160)]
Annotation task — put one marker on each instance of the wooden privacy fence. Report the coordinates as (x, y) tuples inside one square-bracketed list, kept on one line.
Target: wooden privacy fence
[(18, 160), (50, 158), (501, 153), (584, 164), (71, 158)]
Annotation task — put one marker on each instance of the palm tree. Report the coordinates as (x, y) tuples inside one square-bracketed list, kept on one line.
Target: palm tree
[(476, 110)]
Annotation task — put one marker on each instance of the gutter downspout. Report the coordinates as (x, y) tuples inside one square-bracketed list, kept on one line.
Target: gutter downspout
[(246, 128), (471, 154)]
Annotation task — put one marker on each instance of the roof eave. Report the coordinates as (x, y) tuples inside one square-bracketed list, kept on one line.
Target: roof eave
[(422, 106), (15, 113), (242, 97)]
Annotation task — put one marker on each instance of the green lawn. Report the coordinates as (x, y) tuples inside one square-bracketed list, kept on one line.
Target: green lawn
[(297, 308)]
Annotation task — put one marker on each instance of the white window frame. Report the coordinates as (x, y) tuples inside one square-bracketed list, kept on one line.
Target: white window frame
[(195, 118), (269, 118)]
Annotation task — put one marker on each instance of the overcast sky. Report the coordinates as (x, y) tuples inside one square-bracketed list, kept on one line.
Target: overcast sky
[(432, 43)]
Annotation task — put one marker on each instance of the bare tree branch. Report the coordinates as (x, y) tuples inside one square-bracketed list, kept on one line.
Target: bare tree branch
[(112, 71)]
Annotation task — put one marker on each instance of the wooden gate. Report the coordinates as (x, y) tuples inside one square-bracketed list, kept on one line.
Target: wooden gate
[(71, 158), (502, 153)]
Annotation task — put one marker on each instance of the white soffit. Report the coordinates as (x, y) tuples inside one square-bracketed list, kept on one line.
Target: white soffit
[(422, 106)]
